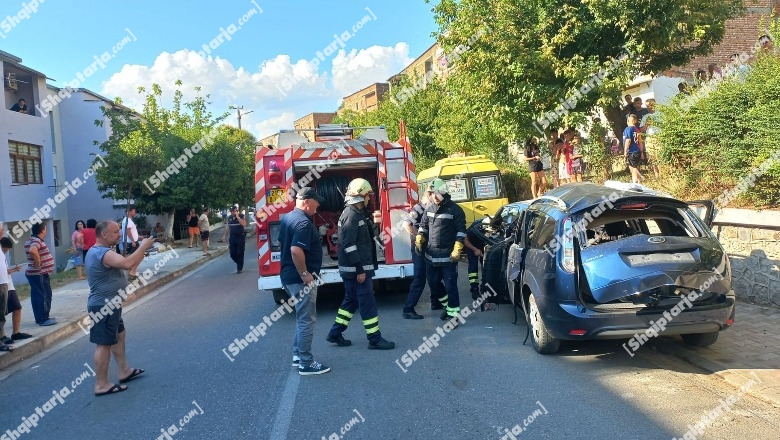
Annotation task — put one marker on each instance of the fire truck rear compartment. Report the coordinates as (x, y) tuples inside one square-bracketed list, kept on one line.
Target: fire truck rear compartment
[(332, 185)]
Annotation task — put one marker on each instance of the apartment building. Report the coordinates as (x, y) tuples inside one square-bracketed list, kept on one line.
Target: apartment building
[(312, 120), (365, 100), (30, 168)]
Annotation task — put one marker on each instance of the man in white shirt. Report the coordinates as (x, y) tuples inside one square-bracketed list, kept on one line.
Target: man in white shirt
[(5, 341), (130, 240), (203, 225)]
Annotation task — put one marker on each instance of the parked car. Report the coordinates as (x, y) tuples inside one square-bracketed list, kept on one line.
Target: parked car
[(587, 261)]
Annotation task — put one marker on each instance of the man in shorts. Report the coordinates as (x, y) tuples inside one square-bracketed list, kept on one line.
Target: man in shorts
[(203, 225), (14, 306), (106, 281)]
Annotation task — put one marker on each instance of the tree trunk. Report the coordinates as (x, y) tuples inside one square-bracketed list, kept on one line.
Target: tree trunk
[(169, 220)]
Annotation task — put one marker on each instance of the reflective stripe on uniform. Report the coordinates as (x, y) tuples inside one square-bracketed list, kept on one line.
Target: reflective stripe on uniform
[(438, 260), (361, 223), (352, 269), (473, 277), (444, 300), (448, 216), (453, 311), (371, 325), (461, 234), (352, 248), (343, 317)]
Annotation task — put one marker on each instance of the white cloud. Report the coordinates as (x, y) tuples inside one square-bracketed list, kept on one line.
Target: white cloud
[(274, 124), (261, 91), (360, 68)]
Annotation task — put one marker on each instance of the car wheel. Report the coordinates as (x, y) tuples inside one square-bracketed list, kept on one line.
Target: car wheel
[(280, 296), (543, 342), (700, 339)]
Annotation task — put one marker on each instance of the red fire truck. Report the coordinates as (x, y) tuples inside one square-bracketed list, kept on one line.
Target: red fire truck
[(328, 164)]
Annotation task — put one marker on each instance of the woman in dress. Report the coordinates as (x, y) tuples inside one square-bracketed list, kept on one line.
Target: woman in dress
[(77, 240)]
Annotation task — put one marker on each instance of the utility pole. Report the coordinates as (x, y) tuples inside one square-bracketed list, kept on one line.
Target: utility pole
[(239, 114)]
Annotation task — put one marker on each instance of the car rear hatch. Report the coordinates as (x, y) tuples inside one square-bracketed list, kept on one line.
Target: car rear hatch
[(648, 254)]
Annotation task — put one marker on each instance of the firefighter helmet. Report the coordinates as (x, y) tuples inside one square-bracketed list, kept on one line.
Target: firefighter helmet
[(438, 186), (357, 191)]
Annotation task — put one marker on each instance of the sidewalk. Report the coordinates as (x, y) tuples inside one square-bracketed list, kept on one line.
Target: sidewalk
[(69, 302), (748, 350)]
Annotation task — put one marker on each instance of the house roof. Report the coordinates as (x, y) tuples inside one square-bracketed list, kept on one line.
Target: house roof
[(17, 62)]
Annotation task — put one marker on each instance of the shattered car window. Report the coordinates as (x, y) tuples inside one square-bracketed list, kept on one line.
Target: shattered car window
[(653, 221)]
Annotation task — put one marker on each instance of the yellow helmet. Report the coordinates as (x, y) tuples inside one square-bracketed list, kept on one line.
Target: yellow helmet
[(357, 191), (359, 187)]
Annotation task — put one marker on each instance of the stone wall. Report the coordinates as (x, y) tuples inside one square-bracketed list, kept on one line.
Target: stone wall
[(752, 241)]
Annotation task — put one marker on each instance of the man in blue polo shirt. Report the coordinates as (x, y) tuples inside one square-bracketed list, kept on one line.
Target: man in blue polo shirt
[(301, 261)]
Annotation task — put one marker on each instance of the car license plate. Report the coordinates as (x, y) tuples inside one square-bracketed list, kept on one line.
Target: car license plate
[(277, 194)]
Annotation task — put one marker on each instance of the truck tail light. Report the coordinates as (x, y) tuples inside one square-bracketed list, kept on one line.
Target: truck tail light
[(274, 173)]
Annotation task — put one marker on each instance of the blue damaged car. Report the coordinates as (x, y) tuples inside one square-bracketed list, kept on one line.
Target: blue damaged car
[(587, 261)]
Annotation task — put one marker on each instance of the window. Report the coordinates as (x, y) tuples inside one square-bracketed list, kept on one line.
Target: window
[(57, 233), (25, 163), (486, 187), (543, 233)]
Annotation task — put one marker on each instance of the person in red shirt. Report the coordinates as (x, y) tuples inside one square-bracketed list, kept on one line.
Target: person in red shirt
[(89, 236)]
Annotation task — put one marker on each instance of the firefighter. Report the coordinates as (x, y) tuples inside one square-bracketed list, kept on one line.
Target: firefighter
[(357, 262), (475, 251), (411, 223), (440, 238)]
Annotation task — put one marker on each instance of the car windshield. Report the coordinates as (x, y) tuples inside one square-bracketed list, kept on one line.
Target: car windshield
[(652, 220)]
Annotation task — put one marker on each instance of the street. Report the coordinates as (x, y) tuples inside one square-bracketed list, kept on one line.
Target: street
[(479, 383)]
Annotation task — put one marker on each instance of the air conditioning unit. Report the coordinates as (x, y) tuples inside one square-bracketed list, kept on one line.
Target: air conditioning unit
[(10, 82)]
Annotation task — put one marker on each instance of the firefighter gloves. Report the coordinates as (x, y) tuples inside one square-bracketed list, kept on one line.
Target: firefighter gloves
[(455, 255), (419, 244)]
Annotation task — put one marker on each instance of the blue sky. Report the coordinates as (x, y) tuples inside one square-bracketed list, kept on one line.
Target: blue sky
[(266, 66)]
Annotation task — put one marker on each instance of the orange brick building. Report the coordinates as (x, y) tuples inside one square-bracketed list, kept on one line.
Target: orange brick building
[(365, 100)]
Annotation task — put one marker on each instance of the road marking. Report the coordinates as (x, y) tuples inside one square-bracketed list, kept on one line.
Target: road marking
[(286, 406)]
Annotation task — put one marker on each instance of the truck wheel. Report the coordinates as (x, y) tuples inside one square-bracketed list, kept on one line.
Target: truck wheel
[(543, 342), (280, 296), (700, 339)]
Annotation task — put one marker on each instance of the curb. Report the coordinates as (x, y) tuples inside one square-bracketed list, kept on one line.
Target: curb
[(734, 378), (39, 344)]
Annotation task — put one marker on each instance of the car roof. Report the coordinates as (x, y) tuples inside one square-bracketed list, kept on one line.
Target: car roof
[(583, 195)]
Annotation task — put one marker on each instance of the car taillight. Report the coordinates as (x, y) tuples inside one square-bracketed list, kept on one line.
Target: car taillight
[(729, 321), (577, 332), (633, 206), (274, 173), (568, 246)]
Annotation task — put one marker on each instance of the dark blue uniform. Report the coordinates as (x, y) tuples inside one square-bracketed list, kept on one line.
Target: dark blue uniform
[(237, 241), (357, 255), (474, 261), (419, 280), (442, 226)]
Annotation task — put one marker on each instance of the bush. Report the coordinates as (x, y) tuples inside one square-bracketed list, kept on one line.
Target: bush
[(517, 182), (713, 138)]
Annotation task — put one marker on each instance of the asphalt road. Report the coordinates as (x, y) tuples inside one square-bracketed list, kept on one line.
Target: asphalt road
[(478, 382)]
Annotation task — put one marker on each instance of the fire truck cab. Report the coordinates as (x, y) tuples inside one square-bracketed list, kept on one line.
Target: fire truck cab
[(327, 163)]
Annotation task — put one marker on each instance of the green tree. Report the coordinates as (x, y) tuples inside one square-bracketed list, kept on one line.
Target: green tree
[(532, 55), (168, 159)]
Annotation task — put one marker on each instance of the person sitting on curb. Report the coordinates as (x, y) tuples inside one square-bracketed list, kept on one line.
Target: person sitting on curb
[(14, 306)]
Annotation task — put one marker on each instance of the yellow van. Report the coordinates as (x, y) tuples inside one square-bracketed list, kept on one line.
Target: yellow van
[(474, 183)]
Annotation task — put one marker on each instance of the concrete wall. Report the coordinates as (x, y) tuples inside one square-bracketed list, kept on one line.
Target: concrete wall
[(752, 240)]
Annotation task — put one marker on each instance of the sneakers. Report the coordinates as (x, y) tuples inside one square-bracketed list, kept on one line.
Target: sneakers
[(6, 340), (313, 368), (339, 340), (412, 315), (49, 321), (19, 336), (296, 362), (382, 344)]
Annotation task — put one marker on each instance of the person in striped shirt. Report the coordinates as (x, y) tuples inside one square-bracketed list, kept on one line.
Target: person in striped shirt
[(40, 264)]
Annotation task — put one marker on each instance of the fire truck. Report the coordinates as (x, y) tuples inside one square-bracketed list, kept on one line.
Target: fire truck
[(327, 160)]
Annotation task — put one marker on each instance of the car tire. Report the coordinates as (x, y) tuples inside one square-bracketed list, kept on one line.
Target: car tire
[(543, 342), (701, 339), (280, 296)]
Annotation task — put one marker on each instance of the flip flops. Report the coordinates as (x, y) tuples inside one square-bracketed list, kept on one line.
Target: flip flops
[(4, 347), (113, 390), (136, 372)]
